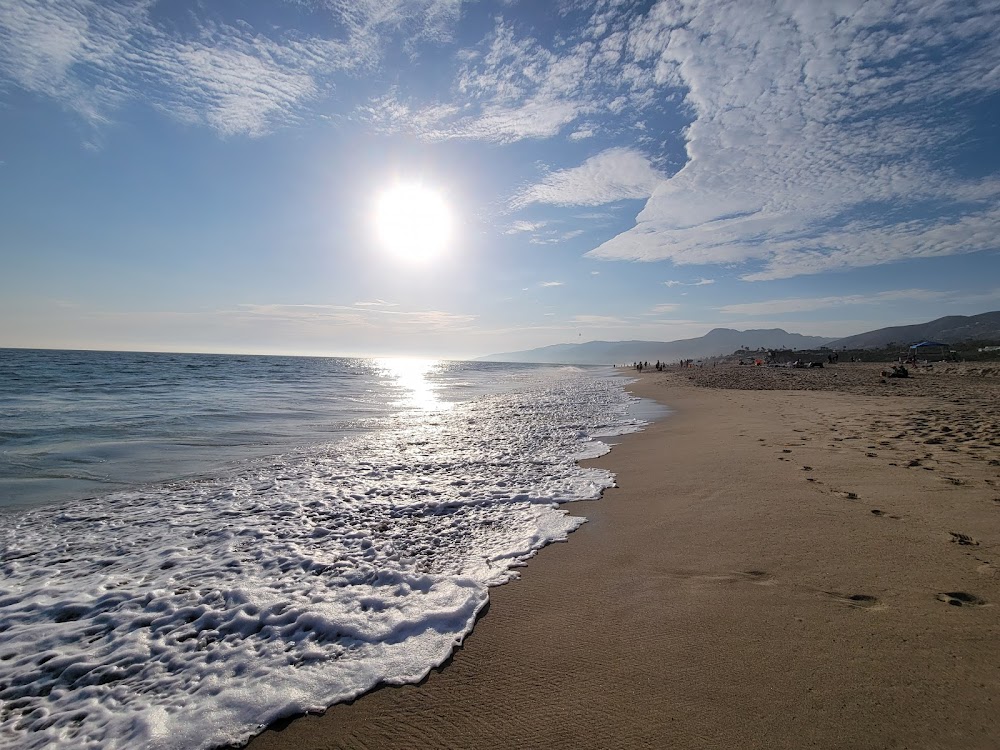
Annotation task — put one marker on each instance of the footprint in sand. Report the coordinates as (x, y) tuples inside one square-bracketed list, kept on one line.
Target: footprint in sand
[(960, 599), (858, 601), (964, 539), (882, 513)]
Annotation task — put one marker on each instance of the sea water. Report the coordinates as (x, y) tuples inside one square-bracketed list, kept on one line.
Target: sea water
[(193, 546)]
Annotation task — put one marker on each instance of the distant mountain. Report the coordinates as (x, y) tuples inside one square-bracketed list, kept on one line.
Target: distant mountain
[(953, 329), (716, 342)]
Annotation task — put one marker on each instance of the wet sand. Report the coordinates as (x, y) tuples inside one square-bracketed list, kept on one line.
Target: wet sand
[(777, 569)]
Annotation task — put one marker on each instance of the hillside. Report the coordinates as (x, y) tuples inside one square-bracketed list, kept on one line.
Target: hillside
[(716, 342), (952, 329)]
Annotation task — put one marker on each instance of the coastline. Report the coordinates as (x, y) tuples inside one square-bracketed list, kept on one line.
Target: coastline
[(724, 595)]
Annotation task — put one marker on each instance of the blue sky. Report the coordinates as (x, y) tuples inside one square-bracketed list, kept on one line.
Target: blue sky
[(201, 176)]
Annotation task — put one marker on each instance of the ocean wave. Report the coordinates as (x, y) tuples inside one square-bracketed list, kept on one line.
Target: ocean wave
[(192, 614)]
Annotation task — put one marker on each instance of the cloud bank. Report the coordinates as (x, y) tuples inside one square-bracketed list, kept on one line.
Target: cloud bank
[(817, 127)]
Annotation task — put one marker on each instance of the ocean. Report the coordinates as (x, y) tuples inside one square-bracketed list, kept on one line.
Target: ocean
[(193, 546)]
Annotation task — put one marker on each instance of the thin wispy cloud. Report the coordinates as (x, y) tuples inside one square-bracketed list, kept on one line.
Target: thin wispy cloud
[(93, 57), (664, 308), (351, 315), (548, 284), (604, 321), (807, 304), (519, 227), (698, 282)]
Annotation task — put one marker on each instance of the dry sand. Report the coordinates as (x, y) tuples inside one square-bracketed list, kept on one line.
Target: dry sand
[(778, 569)]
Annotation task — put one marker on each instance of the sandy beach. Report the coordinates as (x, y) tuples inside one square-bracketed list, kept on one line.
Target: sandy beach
[(792, 559)]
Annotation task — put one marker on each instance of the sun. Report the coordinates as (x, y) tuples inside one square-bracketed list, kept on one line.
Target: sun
[(413, 222)]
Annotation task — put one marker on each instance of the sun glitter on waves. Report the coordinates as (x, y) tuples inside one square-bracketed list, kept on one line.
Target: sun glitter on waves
[(413, 222)]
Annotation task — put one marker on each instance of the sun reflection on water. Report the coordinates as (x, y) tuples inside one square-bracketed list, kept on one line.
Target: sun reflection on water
[(411, 375)]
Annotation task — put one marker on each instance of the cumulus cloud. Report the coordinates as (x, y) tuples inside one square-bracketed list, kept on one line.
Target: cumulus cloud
[(582, 132), (612, 175)]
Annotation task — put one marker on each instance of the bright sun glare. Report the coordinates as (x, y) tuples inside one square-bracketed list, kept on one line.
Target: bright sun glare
[(413, 222)]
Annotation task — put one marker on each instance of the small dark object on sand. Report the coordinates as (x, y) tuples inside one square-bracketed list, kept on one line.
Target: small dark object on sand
[(897, 371)]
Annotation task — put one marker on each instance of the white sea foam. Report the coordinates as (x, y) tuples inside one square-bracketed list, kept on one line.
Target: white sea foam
[(190, 615)]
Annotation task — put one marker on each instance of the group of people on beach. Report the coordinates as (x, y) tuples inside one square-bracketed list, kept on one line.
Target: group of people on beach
[(659, 366)]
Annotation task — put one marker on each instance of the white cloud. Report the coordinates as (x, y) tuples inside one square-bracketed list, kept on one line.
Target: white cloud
[(513, 88), (375, 303), (818, 128), (810, 119), (806, 304), (518, 227), (93, 56), (664, 308), (546, 284), (612, 175), (698, 282), (554, 237)]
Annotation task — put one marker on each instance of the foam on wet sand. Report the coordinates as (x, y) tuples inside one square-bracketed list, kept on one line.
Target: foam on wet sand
[(189, 615)]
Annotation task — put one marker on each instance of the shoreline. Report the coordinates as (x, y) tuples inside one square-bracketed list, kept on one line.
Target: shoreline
[(757, 579)]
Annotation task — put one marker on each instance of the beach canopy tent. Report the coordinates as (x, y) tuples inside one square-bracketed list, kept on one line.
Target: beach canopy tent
[(916, 348)]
